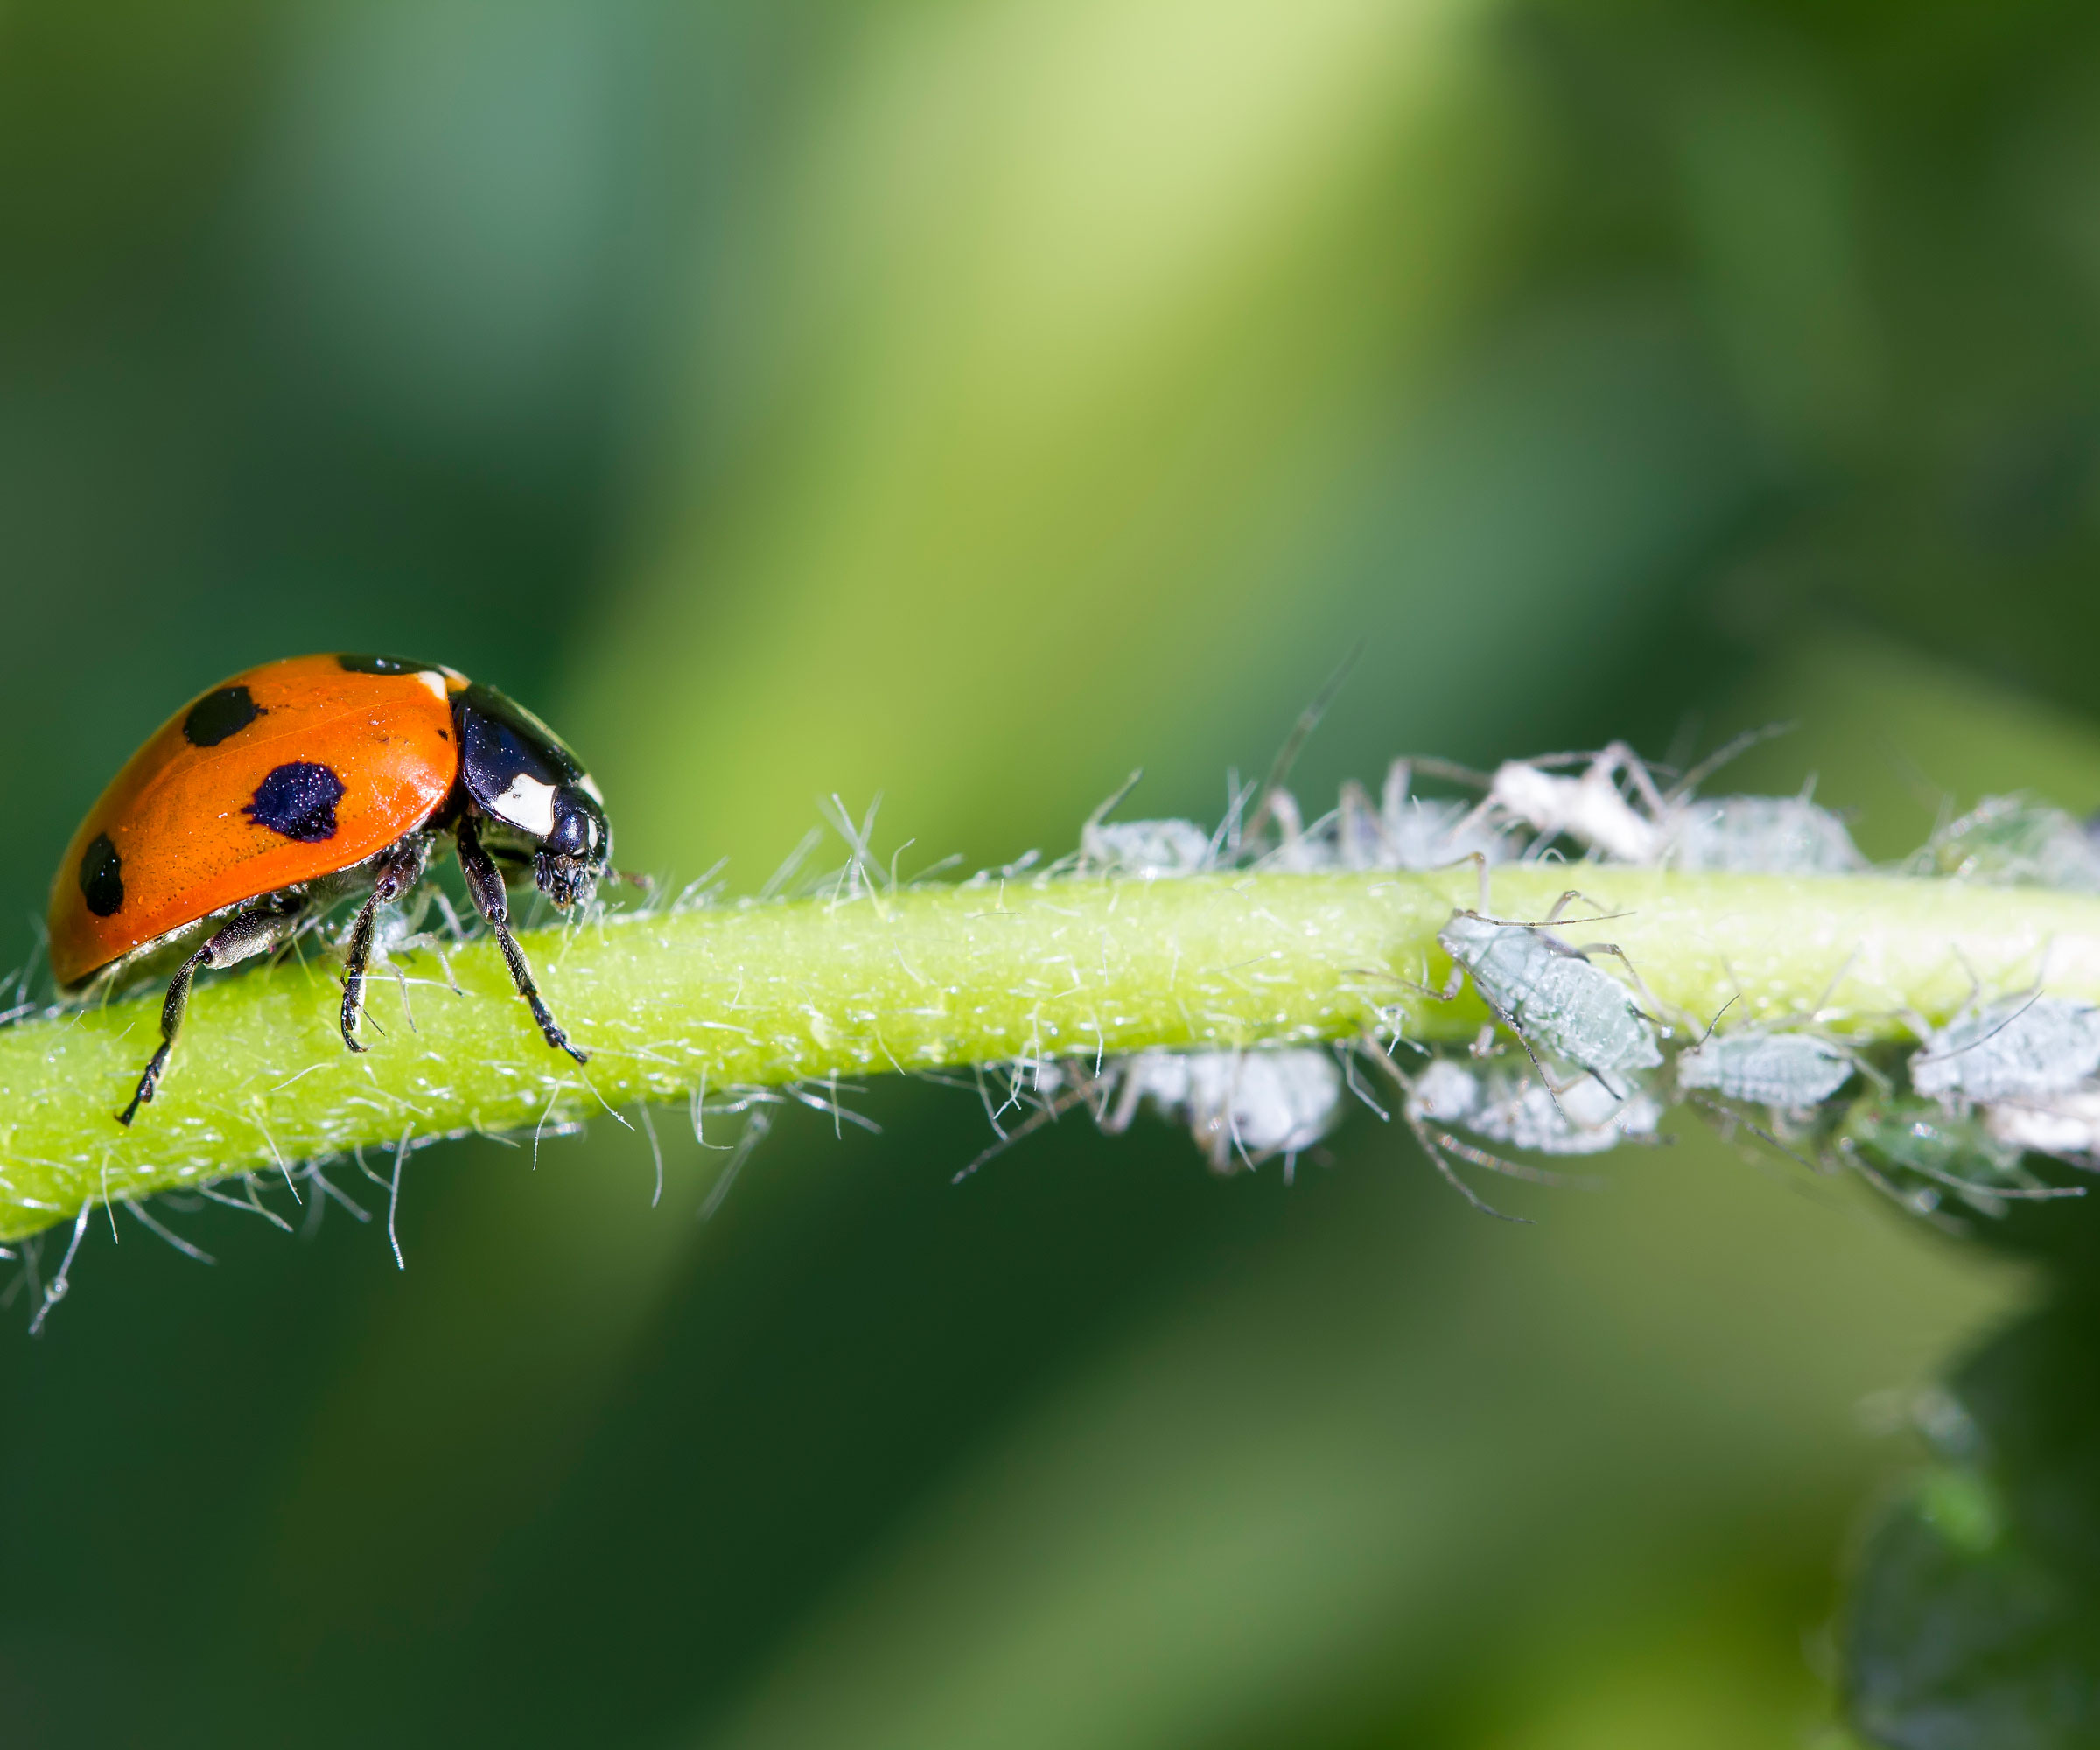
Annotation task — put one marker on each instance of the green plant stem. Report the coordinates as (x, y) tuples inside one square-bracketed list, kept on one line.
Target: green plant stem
[(767, 994)]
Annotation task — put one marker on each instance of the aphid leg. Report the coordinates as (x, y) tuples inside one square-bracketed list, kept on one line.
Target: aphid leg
[(1654, 1008), (393, 876), (250, 934), (1433, 1143), (1625, 759), (485, 886), (1114, 1120)]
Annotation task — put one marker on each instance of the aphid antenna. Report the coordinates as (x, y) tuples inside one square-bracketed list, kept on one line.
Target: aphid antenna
[(1728, 752), (1048, 1114), (2033, 996), (1570, 757), (1116, 799), (1449, 770), (756, 1125), (1301, 732), (1716, 1021)]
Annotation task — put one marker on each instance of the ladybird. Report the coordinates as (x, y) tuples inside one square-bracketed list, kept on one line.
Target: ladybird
[(291, 786)]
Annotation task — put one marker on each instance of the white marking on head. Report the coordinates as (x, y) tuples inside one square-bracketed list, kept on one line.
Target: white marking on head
[(435, 682), (528, 805)]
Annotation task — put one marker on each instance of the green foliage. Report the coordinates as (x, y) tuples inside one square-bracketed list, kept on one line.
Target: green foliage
[(1975, 1613)]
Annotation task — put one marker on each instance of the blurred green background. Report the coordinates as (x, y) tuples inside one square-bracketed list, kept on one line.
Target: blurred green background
[(969, 402)]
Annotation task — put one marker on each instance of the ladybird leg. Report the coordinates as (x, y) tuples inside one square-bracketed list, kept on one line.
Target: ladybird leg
[(395, 874), (250, 934), (484, 884)]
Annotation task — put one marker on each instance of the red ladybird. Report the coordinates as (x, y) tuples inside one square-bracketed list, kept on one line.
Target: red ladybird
[(302, 782)]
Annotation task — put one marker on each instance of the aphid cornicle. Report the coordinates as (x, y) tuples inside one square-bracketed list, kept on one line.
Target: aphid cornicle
[(293, 785)]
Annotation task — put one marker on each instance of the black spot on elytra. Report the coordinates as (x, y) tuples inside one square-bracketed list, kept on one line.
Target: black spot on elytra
[(298, 801), (102, 877), (218, 715)]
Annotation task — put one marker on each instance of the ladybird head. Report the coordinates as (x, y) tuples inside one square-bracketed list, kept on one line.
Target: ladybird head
[(534, 791), (573, 856)]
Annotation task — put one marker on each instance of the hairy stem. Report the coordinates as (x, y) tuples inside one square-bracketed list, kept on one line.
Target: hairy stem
[(947, 977)]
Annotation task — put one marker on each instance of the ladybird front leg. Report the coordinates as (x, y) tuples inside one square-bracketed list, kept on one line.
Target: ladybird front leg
[(396, 872), (484, 884), (252, 933)]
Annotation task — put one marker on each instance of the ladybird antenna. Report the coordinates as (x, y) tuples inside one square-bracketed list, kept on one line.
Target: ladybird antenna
[(1294, 743)]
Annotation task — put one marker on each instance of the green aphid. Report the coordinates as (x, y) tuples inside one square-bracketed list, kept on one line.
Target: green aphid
[(2012, 841), (1912, 1149)]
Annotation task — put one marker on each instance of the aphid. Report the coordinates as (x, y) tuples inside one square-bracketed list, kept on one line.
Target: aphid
[(1896, 1140), (2065, 1125), (1760, 836), (2024, 1048), (1589, 808), (1550, 996), (303, 781), (1298, 852), (1146, 849), (2010, 842), (1405, 832), (1519, 1111), (1789, 1072), (1240, 1106), (1742, 834)]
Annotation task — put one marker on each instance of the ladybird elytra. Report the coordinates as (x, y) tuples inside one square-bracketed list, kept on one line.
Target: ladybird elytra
[(290, 787)]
